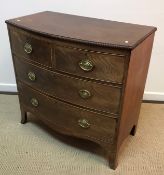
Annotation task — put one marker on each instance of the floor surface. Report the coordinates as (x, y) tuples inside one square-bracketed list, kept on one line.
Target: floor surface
[(33, 149)]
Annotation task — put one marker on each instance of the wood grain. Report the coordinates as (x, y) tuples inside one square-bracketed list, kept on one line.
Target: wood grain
[(84, 30), (42, 51), (116, 82), (107, 67), (103, 97), (134, 89), (65, 116)]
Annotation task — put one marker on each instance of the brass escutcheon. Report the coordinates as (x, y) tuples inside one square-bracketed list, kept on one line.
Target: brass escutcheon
[(34, 102), (32, 76), (86, 65), (27, 48), (84, 93), (84, 123)]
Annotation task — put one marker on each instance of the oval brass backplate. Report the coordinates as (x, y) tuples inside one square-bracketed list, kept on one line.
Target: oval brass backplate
[(31, 76), (28, 48), (86, 65), (34, 102), (85, 94), (84, 123)]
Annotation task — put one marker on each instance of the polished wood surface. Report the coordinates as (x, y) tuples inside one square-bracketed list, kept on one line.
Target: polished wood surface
[(134, 89), (112, 65), (41, 47), (83, 84), (65, 116), (137, 73), (103, 97), (84, 29)]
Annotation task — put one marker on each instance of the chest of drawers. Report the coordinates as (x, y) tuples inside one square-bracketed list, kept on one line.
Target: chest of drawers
[(83, 77)]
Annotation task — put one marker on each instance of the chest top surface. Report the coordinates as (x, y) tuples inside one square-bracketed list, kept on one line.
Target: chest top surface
[(84, 29)]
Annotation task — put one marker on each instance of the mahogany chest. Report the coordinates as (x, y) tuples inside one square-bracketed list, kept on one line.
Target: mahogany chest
[(83, 77)]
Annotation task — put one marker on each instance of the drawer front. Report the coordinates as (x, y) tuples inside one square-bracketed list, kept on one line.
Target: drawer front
[(71, 120), (77, 91), (32, 47), (96, 65)]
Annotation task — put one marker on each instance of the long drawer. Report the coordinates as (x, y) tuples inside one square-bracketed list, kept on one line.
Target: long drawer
[(77, 91), (67, 118)]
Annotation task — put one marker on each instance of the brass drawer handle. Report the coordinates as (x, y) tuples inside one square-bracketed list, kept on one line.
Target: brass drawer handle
[(85, 94), (34, 102), (32, 76), (84, 123), (28, 48), (86, 65)]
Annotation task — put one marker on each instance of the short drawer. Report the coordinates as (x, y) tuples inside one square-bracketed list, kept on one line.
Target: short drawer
[(67, 118), (33, 47), (81, 92), (91, 64)]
